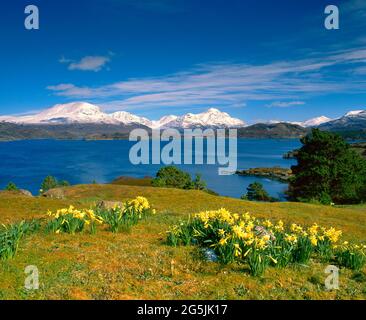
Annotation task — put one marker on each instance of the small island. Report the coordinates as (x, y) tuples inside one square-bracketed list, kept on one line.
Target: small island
[(274, 173)]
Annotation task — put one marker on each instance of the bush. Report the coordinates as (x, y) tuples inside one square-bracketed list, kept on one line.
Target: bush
[(256, 192), (328, 170), (11, 187), (51, 182), (172, 177), (198, 183)]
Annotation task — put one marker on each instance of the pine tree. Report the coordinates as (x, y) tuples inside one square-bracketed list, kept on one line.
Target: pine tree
[(328, 170)]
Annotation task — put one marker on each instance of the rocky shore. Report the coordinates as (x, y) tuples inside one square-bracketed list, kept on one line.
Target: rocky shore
[(275, 173)]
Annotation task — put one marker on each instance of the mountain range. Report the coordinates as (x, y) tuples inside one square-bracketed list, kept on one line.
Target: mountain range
[(86, 113), (84, 120)]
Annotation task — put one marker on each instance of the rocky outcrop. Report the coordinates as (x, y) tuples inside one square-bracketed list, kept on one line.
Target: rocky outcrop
[(25, 192), (107, 205), (57, 193), (275, 173)]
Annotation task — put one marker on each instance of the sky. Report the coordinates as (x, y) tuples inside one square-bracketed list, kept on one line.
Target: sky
[(258, 60)]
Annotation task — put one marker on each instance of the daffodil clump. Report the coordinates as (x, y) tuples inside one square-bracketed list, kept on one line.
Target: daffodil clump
[(122, 218), (350, 255), (10, 236), (72, 220), (259, 243)]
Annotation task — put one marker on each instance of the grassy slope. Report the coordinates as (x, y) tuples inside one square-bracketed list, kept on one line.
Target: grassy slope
[(140, 266)]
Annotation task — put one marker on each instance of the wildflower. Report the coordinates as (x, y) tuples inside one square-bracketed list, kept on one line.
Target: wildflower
[(313, 230), (292, 238), (223, 241), (313, 239), (238, 250), (238, 231), (279, 226), (295, 228), (267, 224), (221, 232)]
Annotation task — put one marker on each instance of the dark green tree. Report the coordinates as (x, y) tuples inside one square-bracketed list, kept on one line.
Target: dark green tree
[(328, 170), (51, 182), (11, 187), (173, 177), (256, 192)]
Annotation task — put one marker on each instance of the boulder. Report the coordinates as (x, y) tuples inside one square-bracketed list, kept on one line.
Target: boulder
[(25, 192), (109, 204), (57, 193)]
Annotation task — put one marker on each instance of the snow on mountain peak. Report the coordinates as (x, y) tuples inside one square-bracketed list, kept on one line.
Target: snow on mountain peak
[(211, 118), (74, 112), (315, 121), (353, 113), (83, 112), (129, 118)]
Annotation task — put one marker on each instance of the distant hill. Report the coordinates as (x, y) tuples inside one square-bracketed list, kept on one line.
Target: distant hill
[(12, 131), (351, 121), (280, 130), (90, 131)]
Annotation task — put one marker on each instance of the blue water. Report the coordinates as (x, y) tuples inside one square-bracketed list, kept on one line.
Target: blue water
[(26, 163)]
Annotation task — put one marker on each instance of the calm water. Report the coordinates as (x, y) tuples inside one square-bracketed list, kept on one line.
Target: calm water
[(26, 163)]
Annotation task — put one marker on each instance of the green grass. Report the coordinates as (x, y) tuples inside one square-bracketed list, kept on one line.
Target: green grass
[(140, 265)]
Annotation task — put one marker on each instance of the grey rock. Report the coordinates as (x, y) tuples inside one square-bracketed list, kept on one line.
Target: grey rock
[(210, 255), (25, 192), (109, 204), (57, 193)]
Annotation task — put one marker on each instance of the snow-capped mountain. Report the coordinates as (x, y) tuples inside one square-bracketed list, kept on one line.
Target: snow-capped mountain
[(315, 122), (163, 122), (353, 120), (129, 118), (76, 112), (82, 112), (86, 113), (212, 118), (353, 113)]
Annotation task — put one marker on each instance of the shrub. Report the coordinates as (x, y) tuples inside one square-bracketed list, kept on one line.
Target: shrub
[(51, 182), (198, 183), (11, 187), (173, 177), (256, 192)]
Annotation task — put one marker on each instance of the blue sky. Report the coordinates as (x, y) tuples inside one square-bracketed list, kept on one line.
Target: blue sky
[(255, 59)]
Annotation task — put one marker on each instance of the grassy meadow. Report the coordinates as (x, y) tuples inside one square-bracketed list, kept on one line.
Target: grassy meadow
[(140, 265)]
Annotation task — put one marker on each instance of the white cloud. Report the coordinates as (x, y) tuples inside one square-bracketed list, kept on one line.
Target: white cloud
[(89, 63), (231, 84), (286, 104)]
